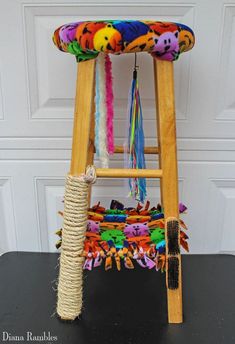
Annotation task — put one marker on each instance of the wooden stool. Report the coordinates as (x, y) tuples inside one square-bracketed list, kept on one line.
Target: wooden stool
[(83, 151)]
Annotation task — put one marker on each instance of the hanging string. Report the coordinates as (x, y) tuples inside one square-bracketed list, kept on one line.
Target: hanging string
[(134, 148)]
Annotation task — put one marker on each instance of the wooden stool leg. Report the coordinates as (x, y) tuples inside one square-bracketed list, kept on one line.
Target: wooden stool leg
[(82, 116), (69, 301), (91, 148), (164, 88)]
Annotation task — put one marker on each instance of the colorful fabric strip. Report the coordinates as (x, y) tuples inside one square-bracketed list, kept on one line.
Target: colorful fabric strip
[(126, 237)]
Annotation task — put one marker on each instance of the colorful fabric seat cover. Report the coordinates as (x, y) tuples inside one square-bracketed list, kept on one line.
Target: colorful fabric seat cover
[(163, 40)]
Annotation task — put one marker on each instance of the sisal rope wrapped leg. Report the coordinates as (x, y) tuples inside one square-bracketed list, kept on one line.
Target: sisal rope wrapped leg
[(69, 302)]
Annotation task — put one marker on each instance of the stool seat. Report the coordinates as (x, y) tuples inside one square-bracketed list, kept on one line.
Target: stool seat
[(163, 40)]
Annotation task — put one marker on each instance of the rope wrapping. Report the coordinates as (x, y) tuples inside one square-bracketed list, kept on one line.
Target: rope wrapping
[(69, 301)]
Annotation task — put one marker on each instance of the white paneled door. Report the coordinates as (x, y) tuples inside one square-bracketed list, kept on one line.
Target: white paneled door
[(37, 86)]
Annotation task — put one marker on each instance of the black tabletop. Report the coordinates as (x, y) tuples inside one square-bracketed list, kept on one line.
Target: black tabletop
[(126, 307)]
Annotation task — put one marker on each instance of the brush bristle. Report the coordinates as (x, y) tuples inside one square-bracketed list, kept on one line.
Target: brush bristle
[(173, 236), (173, 273)]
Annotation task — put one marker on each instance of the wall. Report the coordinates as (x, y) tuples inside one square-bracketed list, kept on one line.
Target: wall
[(37, 84)]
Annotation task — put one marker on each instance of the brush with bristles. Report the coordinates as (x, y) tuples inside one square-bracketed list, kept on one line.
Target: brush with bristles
[(173, 273), (172, 226)]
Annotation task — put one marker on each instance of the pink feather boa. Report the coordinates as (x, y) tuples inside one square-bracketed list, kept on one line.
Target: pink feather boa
[(109, 103)]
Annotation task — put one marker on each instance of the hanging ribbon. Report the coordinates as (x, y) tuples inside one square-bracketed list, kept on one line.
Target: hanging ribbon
[(134, 149)]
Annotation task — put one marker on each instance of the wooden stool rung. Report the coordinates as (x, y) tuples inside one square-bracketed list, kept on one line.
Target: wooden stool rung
[(127, 173), (120, 149), (147, 150)]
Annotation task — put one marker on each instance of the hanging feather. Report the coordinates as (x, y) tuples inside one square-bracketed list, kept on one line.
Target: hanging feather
[(101, 113), (109, 103), (134, 149), (97, 108)]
